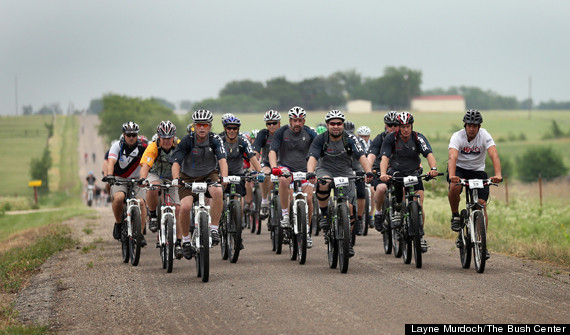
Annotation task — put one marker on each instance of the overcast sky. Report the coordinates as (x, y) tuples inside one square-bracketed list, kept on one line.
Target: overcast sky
[(69, 51)]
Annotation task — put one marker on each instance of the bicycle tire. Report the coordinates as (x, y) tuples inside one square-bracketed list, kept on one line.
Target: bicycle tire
[(223, 230), (302, 229), (125, 241), (387, 241), (292, 243), (257, 211), (387, 235), (343, 237), (169, 243), (415, 228), (332, 250), (135, 238), (203, 256), (396, 243), (480, 243), (465, 236), (406, 239), (366, 214), (278, 230), (234, 236)]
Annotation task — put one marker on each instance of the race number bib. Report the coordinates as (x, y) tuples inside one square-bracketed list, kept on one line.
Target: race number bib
[(199, 187), (410, 180), (340, 181), (299, 176), (476, 183), (232, 179), (274, 178)]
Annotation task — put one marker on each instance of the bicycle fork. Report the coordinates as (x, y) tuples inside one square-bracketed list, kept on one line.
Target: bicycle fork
[(132, 203), (294, 214)]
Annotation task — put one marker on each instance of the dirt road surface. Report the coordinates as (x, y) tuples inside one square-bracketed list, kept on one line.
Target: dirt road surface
[(89, 290)]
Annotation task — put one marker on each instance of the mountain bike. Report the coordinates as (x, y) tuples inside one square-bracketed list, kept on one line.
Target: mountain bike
[(338, 237), (231, 221), (273, 222), (316, 215), (409, 229), (167, 228), (131, 235), (473, 233), (299, 227), (201, 240), (367, 219)]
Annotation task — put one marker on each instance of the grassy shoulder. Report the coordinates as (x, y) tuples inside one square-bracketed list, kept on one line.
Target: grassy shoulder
[(521, 228)]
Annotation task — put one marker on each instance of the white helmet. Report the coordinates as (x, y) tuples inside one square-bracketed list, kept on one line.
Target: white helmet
[(202, 115), (363, 131), (272, 115), (334, 114), (297, 113), (226, 116)]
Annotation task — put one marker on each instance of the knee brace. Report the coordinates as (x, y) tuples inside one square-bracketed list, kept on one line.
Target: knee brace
[(326, 194)]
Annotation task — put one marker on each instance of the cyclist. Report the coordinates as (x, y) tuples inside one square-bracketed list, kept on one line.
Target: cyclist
[(331, 155), (89, 180), (467, 149), (123, 163), (401, 150), (291, 143), (364, 133), (155, 165), (360, 184), (321, 128), (195, 159), (238, 148), (380, 188), (261, 146)]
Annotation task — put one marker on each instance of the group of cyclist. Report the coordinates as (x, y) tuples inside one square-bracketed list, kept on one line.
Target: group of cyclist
[(331, 150)]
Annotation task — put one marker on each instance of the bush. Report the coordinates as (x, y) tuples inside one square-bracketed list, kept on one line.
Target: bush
[(506, 166), (542, 161)]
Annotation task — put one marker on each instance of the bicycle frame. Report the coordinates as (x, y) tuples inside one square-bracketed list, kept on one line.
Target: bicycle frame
[(201, 189), (299, 197)]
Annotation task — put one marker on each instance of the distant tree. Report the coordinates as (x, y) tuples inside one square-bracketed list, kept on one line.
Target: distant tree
[(350, 81), (542, 161), (185, 104), (27, 110), (165, 103), (95, 106), (321, 93), (479, 99), (235, 104), (284, 93), (242, 87), (39, 168), (554, 105), (52, 109)]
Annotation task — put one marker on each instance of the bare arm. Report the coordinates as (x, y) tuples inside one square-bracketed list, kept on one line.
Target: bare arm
[(453, 154), (494, 155)]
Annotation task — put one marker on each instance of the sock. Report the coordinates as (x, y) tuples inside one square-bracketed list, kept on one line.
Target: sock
[(264, 201), (185, 239), (378, 212), (285, 211), (212, 227)]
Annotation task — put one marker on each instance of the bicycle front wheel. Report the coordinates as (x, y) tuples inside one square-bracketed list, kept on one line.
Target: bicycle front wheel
[(415, 223), (302, 229), (125, 249), (136, 236), (480, 242), (234, 236), (343, 237), (169, 243), (464, 238), (203, 248)]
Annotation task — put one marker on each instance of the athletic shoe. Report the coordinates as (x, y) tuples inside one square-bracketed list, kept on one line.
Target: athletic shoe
[(379, 222), (309, 241), (215, 237), (424, 245), (455, 222), (285, 221), (117, 231), (178, 249), (324, 223), (153, 224), (187, 250)]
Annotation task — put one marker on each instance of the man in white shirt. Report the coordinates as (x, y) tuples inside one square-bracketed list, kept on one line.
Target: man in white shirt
[(467, 150)]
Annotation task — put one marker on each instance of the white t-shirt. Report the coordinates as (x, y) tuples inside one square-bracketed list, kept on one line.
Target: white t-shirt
[(471, 154)]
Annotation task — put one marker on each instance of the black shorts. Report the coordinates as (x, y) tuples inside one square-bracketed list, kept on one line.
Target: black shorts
[(470, 174), (360, 189)]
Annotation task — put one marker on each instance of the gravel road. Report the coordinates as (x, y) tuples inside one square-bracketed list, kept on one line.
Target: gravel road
[(89, 290)]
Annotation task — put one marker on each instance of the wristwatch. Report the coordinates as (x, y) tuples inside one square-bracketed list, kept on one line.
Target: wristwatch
[(434, 168)]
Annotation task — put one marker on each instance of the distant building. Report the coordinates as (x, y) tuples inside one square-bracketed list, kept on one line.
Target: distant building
[(359, 106), (438, 103)]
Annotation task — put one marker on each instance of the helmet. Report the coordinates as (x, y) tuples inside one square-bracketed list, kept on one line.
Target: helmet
[(166, 129), (473, 116), (363, 131), (272, 115), (225, 116), (203, 116), (142, 138), (405, 118), (91, 173), (334, 114), (321, 129), (297, 113), (231, 120), (130, 128), (349, 126), (391, 117), (154, 138), (254, 133)]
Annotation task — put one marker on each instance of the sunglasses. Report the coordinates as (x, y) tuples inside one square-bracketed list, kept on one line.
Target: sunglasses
[(232, 128), (202, 125), (392, 125), (335, 123), (271, 123), (130, 135)]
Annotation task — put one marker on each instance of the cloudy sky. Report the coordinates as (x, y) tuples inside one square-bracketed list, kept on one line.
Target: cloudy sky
[(69, 51)]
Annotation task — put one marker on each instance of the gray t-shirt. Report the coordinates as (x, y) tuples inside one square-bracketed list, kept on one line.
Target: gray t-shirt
[(292, 148), (335, 158), (198, 159)]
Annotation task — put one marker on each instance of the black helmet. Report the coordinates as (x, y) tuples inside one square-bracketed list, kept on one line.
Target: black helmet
[(349, 126), (473, 116)]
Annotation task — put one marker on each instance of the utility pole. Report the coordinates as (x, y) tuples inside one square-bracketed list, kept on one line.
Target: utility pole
[(16, 92), (529, 96)]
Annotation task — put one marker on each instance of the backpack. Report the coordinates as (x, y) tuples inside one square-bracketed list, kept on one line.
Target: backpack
[(347, 146)]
